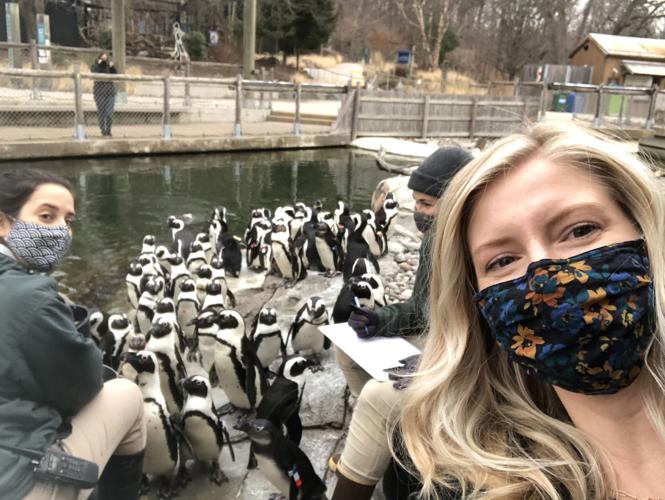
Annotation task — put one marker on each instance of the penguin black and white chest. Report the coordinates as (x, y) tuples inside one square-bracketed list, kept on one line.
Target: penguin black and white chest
[(215, 299), (256, 240), (203, 279), (304, 334), (376, 284), (202, 426), (267, 337), (187, 308), (387, 214), (162, 452), (204, 240), (99, 326), (206, 333), (239, 370), (197, 257), (363, 266), (163, 343), (357, 248), (148, 245), (163, 259), (328, 248), (179, 273), (375, 239), (119, 329), (133, 280), (354, 292), (282, 462), (181, 236), (219, 275), (284, 254), (230, 254)]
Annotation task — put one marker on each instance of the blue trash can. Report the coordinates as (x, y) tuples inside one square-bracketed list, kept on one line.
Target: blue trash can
[(570, 102)]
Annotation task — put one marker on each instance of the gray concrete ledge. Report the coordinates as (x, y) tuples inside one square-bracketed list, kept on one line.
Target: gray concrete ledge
[(119, 147)]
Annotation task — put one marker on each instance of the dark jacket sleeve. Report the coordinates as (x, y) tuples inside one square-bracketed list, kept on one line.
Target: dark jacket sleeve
[(409, 317), (67, 367)]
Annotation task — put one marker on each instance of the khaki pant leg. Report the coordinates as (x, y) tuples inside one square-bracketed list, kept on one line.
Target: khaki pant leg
[(356, 377), (366, 453), (111, 424)]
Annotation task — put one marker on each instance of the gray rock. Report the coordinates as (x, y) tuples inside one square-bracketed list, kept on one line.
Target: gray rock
[(394, 247), (405, 266), (405, 295), (400, 257)]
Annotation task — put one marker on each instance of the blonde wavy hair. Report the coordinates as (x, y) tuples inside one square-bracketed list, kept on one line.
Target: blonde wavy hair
[(471, 419)]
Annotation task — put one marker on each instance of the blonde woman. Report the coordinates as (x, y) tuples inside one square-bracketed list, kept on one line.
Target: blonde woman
[(543, 373)]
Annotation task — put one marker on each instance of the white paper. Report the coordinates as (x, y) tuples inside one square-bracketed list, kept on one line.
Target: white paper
[(374, 355)]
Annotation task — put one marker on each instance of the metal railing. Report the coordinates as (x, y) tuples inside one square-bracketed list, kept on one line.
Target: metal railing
[(40, 104)]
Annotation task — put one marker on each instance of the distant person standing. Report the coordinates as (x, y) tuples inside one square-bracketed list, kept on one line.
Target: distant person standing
[(104, 92)]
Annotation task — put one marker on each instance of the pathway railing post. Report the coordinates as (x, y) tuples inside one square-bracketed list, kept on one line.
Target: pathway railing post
[(355, 112), (423, 133), (237, 129), (79, 119), (296, 122), (525, 110), (188, 74), (598, 115), (166, 119), (34, 63), (472, 118), (542, 105), (652, 107)]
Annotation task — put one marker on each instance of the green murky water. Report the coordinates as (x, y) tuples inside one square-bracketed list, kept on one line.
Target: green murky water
[(121, 199)]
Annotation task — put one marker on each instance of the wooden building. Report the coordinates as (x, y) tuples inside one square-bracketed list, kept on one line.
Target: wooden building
[(622, 60)]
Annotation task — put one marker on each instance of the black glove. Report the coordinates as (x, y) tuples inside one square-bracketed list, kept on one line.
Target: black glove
[(363, 321), (409, 367)]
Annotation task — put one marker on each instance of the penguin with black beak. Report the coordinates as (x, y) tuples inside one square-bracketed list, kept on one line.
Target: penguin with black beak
[(266, 337)]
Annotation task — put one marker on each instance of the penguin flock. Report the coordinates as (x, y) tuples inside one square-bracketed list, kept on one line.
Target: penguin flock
[(181, 335)]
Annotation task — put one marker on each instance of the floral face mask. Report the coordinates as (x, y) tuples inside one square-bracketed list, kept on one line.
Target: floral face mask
[(582, 323)]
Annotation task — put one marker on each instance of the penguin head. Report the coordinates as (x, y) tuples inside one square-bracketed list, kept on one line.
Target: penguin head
[(360, 266), (216, 263), (154, 285), (321, 229), (160, 329), (204, 272), (368, 215), (161, 252), (197, 385), (96, 319), (144, 259), (373, 280), (195, 246), (174, 223), (317, 205), (300, 207), (206, 319), (142, 361), (188, 285), (203, 238), (259, 430), (165, 305), (137, 342), (214, 287), (390, 205), (268, 316), (149, 240), (230, 320), (135, 268), (295, 365), (175, 260), (362, 290), (219, 213), (118, 322), (316, 307), (358, 223)]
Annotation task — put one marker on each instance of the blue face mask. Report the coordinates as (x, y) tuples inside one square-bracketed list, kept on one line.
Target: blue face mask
[(38, 247)]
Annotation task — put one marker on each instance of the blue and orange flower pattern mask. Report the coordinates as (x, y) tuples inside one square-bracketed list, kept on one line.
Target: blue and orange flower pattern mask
[(582, 323)]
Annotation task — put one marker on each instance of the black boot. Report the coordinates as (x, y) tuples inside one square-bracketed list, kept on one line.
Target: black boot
[(121, 478)]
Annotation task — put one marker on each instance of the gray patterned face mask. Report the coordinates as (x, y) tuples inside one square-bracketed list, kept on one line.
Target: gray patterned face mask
[(39, 247)]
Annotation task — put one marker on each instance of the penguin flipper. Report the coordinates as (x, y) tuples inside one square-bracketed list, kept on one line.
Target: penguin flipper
[(326, 343), (294, 428)]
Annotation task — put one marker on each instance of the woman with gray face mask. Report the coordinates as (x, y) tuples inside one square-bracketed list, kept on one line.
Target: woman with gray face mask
[(52, 396)]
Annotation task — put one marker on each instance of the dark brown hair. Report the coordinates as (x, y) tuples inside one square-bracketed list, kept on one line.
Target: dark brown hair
[(16, 187)]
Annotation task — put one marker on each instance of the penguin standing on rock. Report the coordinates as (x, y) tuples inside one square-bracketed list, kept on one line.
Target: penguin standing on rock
[(133, 280), (329, 249), (179, 273), (285, 256), (196, 258), (304, 334), (162, 343), (187, 308), (202, 426), (284, 464), (354, 292), (267, 337), (114, 342), (162, 451), (239, 370)]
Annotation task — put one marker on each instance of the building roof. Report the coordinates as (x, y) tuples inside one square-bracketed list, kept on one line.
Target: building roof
[(626, 46), (649, 68)]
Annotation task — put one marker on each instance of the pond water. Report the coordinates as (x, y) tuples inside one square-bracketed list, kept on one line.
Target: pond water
[(119, 200)]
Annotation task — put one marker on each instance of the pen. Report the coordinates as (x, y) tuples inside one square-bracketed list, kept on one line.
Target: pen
[(355, 299)]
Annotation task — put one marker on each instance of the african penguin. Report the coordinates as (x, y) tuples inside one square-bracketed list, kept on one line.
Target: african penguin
[(133, 280), (204, 240), (196, 258), (179, 273), (304, 334), (99, 326), (163, 343), (181, 236), (187, 308), (114, 343), (267, 337), (148, 244), (354, 292), (285, 256), (329, 249)]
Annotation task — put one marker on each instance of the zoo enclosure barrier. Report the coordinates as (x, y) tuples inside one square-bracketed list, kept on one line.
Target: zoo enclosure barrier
[(54, 105)]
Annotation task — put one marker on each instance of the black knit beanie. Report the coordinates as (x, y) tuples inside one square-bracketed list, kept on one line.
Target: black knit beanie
[(438, 168)]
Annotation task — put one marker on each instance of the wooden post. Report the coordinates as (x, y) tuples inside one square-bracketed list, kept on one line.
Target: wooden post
[(237, 129), (188, 74), (472, 118), (620, 118), (525, 110), (296, 121), (652, 107), (166, 118), (35, 94), (355, 112), (598, 116), (425, 116), (542, 105), (79, 119)]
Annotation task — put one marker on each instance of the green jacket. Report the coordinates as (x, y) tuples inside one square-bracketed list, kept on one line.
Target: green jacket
[(410, 317), (48, 370)]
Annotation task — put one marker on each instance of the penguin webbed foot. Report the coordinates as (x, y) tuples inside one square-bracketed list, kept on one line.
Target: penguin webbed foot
[(217, 475), (277, 496), (315, 363)]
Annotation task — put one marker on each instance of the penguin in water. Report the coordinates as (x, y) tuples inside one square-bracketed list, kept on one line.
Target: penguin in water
[(202, 426), (266, 337), (162, 451), (181, 236), (281, 402), (304, 334), (282, 462), (329, 249), (238, 369), (355, 291), (285, 256), (133, 280), (187, 308), (162, 343)]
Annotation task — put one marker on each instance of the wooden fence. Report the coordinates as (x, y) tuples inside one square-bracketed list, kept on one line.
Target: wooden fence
[(439, 115)]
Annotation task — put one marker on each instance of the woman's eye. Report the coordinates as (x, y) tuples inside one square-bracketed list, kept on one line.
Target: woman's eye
[(46, 217), (500, 262), (583, 230)]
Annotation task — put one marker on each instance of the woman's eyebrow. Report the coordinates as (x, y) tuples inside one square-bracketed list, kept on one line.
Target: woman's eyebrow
[(497, 242), (571, 209)]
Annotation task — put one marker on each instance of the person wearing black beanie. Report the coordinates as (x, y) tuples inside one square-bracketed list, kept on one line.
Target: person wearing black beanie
[(366, 453)]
